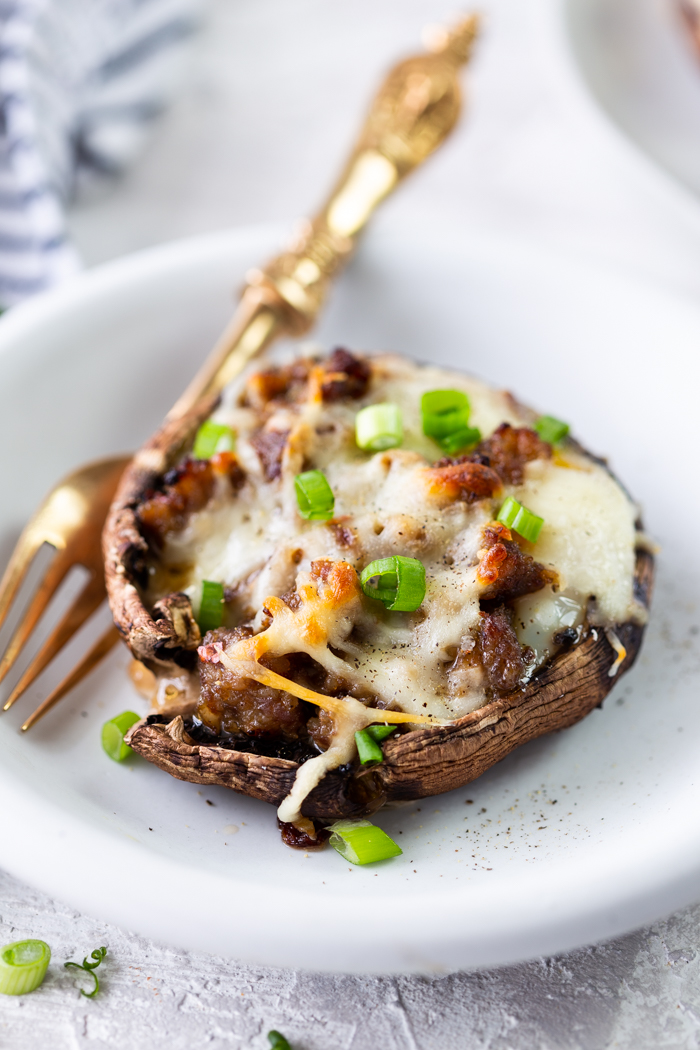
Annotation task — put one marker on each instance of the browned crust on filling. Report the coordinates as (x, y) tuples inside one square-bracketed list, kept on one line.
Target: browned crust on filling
[(184, 491), (507, 571), (507, 452), (467, 481), (346, 376)]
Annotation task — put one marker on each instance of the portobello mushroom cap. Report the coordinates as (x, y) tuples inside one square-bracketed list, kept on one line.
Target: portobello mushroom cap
[(421, 762)]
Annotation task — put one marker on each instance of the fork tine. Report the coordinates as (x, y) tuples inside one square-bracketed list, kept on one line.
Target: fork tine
[(45, 592), (93, 656), (89, 599), (27, 546)]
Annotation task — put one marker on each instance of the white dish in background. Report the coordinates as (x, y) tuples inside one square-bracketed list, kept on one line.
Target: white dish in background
[(639, 63), (573, 838)]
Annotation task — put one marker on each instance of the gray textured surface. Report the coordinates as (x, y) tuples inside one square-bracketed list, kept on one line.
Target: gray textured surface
[(253, 139), (640, 991)]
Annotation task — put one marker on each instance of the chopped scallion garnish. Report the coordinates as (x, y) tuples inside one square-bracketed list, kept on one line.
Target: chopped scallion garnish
[(380, 732), (551, 429), (378, 427), (23, 966), (367, 741), (277, 1041), (514, 516), (445, 416), (90, 967), (361, 842), (211, 607), (212, 438), (444, 412), (458, 440), (113, 733), (397, 581), (315, 498), (367, 748)]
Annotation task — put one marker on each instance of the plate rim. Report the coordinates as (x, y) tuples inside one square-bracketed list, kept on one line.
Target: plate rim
[(669, 188), (545, 934)]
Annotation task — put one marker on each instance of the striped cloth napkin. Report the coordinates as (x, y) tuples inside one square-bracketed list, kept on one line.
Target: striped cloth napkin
[(81, 82)]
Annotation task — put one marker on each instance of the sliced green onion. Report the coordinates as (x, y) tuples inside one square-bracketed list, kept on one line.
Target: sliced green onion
[(90, 967), (378, 427), (361, 842), (211, 607), (23, 966), (446, 419), (380, 732), (367, 741), (380, 580), (467, 437), (438, 402), (315, 498), (367, 749), (551, 429), (397, 581), (113, 733), (212, 438), (444, 412), (513, 515), (277, 1041)]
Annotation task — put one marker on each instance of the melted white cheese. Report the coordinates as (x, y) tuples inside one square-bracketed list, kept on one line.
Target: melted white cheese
[(588, 535)]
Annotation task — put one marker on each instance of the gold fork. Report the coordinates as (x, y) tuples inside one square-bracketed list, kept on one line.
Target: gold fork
[(413, 112), (70, 519)]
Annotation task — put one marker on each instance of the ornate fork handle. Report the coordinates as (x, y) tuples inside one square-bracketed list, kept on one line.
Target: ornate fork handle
[(415, 109)]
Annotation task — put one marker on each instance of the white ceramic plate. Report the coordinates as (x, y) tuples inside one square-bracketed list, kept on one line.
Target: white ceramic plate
[(573, 838), (639, 63)]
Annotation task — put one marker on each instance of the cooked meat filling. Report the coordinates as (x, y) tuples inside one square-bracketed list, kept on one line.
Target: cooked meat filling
[(510, 448), (500, 652), (505, 570), (346, 376), (270, 445), (464, 480), (185, 491)]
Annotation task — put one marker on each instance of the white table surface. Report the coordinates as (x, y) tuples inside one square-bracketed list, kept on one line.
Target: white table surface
[(274, 93)]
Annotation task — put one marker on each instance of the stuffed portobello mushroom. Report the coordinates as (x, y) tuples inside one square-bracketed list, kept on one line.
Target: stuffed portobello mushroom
[(355, 579)]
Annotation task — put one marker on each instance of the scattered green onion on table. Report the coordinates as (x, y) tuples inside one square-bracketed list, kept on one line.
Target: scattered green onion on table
[(397, 581), (379, 427), (90, 967), (113, 733), (277, 1041), (23, 966), (514, 516), (551, 429), (212, 438), (211, 606), (361, 842), (315, 499)]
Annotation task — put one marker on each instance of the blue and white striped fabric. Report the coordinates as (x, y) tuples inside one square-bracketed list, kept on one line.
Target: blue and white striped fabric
[(81, 82)]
